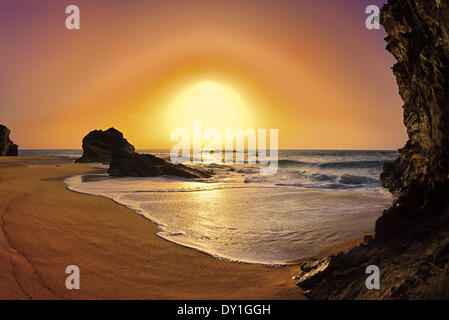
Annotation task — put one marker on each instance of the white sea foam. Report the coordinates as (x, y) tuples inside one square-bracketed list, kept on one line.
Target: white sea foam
[(242, 216)]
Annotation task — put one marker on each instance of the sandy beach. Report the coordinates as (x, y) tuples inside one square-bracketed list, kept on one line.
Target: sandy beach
[(45, 228)]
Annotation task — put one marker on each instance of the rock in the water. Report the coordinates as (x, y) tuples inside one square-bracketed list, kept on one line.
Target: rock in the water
[(111, 147), (312, 272), (99, 145), (410, 246), (132, 164), (7, 147)]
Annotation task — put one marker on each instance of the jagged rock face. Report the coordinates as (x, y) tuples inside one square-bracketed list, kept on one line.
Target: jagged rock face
[(418, 37), (99, 145), (125, 164), (411, 245), (111, 147), (7, 147)]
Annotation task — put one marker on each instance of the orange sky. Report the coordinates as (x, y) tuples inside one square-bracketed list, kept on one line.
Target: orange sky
[(307, 68)]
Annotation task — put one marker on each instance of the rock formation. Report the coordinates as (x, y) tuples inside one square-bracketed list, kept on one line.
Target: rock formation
[(418, 37), (7, 147), (99, 145), (411, 242), (132, 164), (111, 147)]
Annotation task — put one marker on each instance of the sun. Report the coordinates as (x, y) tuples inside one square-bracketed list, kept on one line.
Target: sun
[(217, 105)]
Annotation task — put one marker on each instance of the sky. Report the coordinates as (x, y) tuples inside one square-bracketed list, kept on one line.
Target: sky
[(310, 69)]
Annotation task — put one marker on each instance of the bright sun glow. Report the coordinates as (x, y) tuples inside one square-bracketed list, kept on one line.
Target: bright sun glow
[(216, 105)]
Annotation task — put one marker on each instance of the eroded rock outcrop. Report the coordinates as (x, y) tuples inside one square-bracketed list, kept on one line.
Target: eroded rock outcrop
[(7, 147), (411, 245), (418, 37), (99, 145), (132, 164), (111, 147)]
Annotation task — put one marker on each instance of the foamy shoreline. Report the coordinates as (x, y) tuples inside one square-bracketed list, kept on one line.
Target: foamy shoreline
[(119, 255), (172, 231)]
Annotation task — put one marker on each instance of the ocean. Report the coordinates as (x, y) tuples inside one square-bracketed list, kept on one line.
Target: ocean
[(317, 199)]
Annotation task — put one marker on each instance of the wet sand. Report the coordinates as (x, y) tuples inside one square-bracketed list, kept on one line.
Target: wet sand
[(45, 228)]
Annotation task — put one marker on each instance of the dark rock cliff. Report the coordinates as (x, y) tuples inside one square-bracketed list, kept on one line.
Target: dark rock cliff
[(411, 243), (7, 147), (132, 164), (99, 145), (111, 147), (418, 37)]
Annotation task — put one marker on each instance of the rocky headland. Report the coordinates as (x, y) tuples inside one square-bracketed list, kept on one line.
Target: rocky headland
[(411, 242), (111, 147), (99, 145), (7, 147), (132, 164)]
